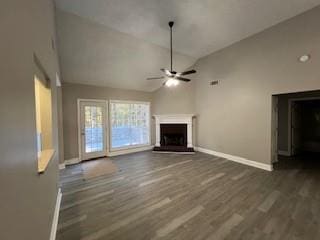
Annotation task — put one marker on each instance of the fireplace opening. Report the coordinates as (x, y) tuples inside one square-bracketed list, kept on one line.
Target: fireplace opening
[(174, 138), (173, 135)]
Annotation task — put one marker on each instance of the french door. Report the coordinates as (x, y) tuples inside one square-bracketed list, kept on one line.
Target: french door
[(92, 132)]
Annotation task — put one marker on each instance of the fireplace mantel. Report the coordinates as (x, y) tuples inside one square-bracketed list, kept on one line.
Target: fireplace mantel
[(174, 119)]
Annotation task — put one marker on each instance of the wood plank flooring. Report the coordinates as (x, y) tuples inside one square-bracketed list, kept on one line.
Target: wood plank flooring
[(189, 197)]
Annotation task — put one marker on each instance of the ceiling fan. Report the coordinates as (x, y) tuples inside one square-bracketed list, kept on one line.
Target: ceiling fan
[(172, 77)]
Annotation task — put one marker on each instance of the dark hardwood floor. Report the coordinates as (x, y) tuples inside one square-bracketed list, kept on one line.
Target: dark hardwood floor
[(190, 197)]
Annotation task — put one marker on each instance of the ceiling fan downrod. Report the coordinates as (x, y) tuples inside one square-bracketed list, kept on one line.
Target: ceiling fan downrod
[(171, 23), (170, 74)]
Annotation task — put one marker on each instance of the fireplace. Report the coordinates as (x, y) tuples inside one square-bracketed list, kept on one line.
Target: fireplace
[(174, 133)]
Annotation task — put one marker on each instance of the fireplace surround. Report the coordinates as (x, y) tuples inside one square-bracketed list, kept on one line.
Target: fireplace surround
[(174, 133)]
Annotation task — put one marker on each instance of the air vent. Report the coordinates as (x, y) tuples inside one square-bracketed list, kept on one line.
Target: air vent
[(214, 83)]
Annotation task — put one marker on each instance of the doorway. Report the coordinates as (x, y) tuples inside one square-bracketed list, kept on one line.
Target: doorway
[(92, 120), (305, 126), (299, 129)]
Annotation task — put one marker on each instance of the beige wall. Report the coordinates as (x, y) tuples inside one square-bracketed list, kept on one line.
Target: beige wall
[(27, 198), (179, 99), (234, 117), (72, 92)]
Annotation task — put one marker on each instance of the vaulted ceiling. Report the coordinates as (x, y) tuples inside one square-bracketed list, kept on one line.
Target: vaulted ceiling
[(202, 27), (94, 54)]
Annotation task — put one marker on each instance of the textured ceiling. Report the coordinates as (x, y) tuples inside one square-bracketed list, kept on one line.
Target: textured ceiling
[(94, 54), (202, 26)]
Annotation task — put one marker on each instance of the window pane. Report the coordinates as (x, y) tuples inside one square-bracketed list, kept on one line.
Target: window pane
[(93, 129), (130, 124)]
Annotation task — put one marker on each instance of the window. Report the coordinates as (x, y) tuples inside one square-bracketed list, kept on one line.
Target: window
[(93, 129), (130, 124)]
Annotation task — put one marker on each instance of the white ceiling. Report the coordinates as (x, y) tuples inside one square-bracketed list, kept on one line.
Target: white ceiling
[(202, 26), (94, 54)]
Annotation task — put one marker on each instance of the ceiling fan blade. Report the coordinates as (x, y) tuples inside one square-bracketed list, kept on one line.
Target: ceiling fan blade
[(187, 72), (155, 78), (183, 79), (167, 72)]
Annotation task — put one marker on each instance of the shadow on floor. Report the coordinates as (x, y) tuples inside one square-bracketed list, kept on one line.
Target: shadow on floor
[(306, 161)]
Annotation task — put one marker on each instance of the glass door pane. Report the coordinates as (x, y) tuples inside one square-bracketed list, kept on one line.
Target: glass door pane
[(93, 129)]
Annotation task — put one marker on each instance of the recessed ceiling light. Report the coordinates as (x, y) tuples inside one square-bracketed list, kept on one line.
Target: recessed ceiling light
[(304, 58)]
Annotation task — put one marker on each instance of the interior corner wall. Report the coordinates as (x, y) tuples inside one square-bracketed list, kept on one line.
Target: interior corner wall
[(234, 117), (72, 92), (174, 100), (27, 198)]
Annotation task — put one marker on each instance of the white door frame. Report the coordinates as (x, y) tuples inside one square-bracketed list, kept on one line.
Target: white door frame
[(290, 100), (79, 100)]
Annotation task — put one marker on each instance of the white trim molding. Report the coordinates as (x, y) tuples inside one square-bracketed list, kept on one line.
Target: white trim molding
[(56, 216), (174, 119), (62, 166), (71, 161), (129, 150), (264, 166), (58, 81)]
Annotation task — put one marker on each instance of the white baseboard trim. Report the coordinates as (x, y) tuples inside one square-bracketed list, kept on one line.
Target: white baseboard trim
[(62, 166), (284, 153), (56, 216), (267, 167), (127, 151), (71, 161)]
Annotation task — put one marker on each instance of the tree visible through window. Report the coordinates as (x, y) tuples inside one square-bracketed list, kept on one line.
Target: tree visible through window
[(129, 124)]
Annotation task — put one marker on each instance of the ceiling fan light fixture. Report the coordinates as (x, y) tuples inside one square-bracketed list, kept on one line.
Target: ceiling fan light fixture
[(304, 58), (174, 77), (171, 82)]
